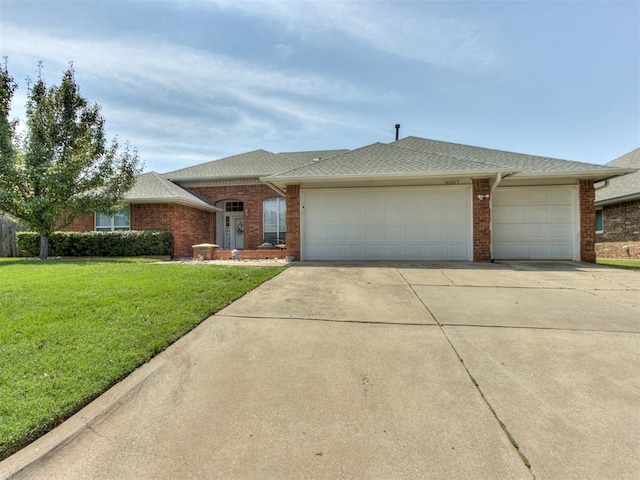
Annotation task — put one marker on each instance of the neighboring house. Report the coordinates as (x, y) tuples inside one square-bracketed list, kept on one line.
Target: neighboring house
[(618, 211), (413, 199)]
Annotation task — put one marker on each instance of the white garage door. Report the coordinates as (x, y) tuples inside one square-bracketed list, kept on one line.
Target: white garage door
[(416, 223), (534, 223)]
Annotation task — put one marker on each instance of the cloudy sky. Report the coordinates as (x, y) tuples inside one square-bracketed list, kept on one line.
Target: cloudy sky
[(190, 81)]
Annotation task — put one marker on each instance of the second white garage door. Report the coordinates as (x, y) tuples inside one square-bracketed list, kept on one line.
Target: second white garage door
[(534, 223), (407, 223)]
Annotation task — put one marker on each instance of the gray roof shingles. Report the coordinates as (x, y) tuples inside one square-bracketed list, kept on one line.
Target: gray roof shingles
[(409, 156), (313, 155), (151, 187), (626, 185), (384, 159), (251, 164), (523, 162)]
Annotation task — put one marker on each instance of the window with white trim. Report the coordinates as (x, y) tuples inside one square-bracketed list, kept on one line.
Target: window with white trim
[(274, 216), (115, 222), (599, 221)]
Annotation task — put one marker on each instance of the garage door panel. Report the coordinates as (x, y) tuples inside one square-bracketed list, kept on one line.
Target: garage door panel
[(534, 223), (456, 251), (413, 223)]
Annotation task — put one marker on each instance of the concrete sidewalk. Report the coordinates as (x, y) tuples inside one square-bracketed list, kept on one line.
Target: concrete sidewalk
[(386, 370)]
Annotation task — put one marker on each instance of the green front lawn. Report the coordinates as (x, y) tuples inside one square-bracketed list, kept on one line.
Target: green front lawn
[(71, 329), (628, 264)]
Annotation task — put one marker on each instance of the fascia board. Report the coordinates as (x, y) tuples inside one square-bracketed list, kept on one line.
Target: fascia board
[(389, 176), (596, 175), (201, 178), (623, 199), (180, 201)]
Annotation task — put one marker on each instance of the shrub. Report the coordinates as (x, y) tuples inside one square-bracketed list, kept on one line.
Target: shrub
[(99, 244)]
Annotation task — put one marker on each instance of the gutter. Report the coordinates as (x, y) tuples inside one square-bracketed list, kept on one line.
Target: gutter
[(622, 199), (604, 185), (276, 188)]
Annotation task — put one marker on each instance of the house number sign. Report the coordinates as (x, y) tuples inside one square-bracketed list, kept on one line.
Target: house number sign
[(452, 182)]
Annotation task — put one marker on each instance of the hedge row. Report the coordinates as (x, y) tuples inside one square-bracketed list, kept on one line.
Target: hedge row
[(99, 244)]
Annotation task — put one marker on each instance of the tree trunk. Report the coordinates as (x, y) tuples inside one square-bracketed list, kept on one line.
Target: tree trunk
[(44, 246)]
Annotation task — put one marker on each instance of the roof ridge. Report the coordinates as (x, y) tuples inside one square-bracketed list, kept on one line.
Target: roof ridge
[(323, 159), (200, 165)]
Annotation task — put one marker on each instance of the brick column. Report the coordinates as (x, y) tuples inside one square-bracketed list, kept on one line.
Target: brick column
[(587, 196), (293, 221), (481, 221)]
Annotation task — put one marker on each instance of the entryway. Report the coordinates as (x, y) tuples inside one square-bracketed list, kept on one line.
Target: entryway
[(230, 225)]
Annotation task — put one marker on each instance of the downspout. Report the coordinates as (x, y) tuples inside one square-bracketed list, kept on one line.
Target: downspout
[(494, 185)]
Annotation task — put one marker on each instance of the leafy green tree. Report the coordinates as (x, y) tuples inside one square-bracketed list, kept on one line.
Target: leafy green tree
[(62, 165)]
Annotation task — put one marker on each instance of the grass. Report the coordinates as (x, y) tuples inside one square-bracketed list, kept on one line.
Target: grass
[(71, 329), (628, 264)]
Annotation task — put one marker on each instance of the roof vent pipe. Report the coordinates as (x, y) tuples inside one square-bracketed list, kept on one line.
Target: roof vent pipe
[(397, 131)]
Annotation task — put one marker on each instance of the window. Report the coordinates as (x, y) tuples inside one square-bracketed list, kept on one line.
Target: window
[(274, 215), (110, 223), (234, 206), (599, 221)]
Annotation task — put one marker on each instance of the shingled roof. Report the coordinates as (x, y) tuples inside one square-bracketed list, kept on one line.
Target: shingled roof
[(626, 187), (152, 187), (381, 159), (413, 156), (246, 165), (526, 164), (313, 155)]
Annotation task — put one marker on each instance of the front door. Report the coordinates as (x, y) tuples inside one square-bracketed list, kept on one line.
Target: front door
[(238, 232)]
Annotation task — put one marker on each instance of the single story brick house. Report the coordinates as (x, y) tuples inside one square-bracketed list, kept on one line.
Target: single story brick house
[(618, 211), (412, 199)]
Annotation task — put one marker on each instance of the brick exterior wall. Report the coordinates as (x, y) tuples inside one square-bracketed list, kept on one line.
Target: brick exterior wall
[(293, 221), (621, 222), (151, 216), (481, 221), (82, 223), (621, 231), (587, 196), (191, 226), (619, 250), (252, 196), (251, 254)]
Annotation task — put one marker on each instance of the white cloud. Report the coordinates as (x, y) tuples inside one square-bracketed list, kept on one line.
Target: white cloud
[(167, 69), (411, 30), (285, 50)]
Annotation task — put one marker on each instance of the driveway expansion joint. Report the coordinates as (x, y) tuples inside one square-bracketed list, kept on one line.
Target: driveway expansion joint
[(530, 327), (328, 320), (502, 425)]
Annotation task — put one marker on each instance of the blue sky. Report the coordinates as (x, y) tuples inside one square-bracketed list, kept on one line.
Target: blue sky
[(187, 81)]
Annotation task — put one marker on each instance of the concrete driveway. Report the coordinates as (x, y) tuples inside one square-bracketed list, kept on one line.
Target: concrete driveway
[(380, 371)]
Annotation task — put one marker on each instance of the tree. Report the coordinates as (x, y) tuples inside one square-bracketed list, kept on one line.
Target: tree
[(63, 165)]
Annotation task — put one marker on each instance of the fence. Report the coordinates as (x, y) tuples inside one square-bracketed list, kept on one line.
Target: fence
[(8, 229)]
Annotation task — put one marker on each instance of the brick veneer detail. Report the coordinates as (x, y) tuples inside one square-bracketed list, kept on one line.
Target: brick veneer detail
[(250, 254), (191, 226), (587, 221), (621, 231), (481, 221), (619, 250), (82, 223), (252, 196), (293, 221), (621, 222)]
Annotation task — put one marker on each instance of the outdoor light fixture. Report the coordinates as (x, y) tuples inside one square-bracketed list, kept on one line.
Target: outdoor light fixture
[(483, 197)]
